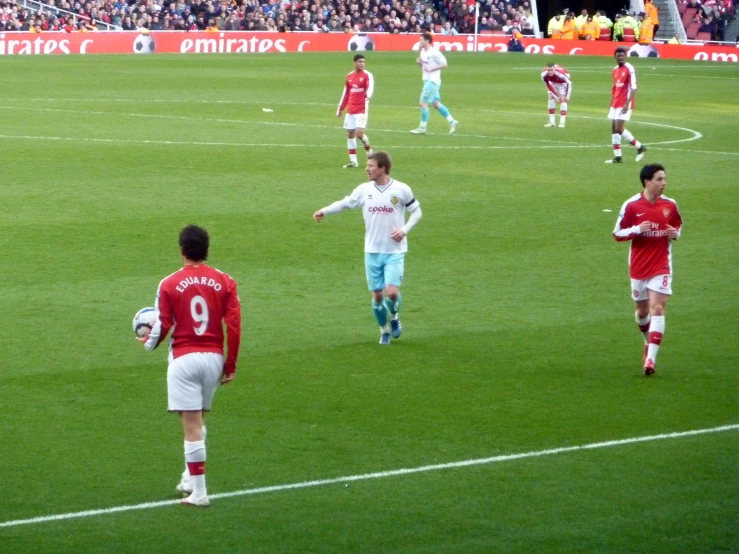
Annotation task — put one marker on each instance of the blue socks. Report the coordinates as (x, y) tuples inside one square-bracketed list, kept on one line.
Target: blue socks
[(393, 307), (380, 313), (424, 115), (443, 110)]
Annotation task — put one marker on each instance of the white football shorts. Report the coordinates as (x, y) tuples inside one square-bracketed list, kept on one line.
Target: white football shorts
[(616, 113), (192, 381), (355, 121), (561, 91), (659, 283)]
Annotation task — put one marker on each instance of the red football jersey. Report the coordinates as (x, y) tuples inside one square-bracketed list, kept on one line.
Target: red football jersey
[(560, 79), (196, 301), (651, 252), (624, 81), (358, 89)]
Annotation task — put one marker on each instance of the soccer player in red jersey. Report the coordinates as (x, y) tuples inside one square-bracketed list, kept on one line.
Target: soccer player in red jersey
[(358, 89), (559, 87), (195, 301), (651, 222), (622, 104)]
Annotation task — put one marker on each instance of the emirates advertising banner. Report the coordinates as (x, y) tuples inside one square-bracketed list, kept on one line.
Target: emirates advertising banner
[(236, 42)]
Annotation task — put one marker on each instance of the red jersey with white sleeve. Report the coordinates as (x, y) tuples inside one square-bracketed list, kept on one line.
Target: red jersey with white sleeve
[(624, 81), (558, 84), (196, 301), (358, 90), (651, 251)]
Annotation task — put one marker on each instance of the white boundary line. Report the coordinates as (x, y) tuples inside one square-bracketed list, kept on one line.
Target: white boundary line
[(376, 475)]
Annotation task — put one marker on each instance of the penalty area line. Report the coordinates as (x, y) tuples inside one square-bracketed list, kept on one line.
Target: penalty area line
[(377, 475)]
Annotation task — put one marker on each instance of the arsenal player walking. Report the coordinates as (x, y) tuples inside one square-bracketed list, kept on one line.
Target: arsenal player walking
[(651, 221), (622, 104), (358, 89)]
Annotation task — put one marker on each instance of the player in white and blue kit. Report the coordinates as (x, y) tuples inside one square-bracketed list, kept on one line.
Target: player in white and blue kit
[(432, 62), (384, 202)]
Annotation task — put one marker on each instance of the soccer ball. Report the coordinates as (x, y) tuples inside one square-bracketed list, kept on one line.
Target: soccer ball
[(361, 42), (144, 44), (144, 320), (643, 51)]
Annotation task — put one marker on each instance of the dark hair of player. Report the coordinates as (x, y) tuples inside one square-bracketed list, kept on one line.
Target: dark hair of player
[(621, 50), (358, 57), (382, 159), (194, 243), (648, 172), (428, 37), (550, 64)]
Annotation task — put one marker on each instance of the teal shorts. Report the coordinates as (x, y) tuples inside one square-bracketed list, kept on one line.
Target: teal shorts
[(383, 270), (430, 93)]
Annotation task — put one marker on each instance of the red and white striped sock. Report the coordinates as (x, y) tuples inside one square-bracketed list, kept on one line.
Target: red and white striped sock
[(562, 112), (551, 115), (616, 139), (351, 145), (628, 137), (195, 459), (643, 324), (656, 332), (366, 142)]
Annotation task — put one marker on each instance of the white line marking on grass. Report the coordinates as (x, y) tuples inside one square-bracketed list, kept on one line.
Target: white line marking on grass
[(288, 145), (376, 475)]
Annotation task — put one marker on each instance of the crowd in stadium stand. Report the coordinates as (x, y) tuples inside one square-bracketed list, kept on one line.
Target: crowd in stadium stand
[(446, 17), (392, 16)]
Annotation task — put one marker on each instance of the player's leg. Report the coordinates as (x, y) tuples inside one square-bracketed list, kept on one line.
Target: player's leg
[(551, 105), (657, 305), (373, 265), (394, 268), (362, 136), (562, 112), (640, 294), (185, 484), (351, 140), (444, 111), (617, 127), (423, 103), (192, 423), (640, 148)]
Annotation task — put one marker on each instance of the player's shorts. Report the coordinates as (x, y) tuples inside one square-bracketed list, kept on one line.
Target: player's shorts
[(355, 121), (192, 381), (659, 283), (616, 113), (383, 270), (561, 91), (430, 92)]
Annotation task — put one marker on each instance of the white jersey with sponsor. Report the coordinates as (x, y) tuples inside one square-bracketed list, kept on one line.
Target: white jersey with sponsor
[(433, 58), (384, 211)]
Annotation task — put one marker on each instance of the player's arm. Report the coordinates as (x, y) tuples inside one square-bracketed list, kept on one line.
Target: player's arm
[(675, 226), (370, 85), (164, 322), (436, 62), (348, 203), (232, 319), (632, 88), (344, 99), (547, 84), (414, 208), (568, 84), (625, 228)]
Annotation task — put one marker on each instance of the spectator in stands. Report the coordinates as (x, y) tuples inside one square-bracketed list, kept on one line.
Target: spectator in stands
[(590, 30), (581, 20), (569, 31), (618, 28), (645, 34), (319, 26), (211, 27), (652, 12), (629, 22), (515, 44), (603, 22), (483, 25), (555, 25)]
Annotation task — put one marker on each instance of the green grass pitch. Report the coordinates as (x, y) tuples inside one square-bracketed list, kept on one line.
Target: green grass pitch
[(519, 332)]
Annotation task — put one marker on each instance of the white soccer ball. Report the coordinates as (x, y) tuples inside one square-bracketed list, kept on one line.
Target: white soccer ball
[(361, 42), (144, 320), (144, 44)]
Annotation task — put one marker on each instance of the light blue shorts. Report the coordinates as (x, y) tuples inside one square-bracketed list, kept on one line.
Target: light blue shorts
[(383, 270), (430, 92)]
